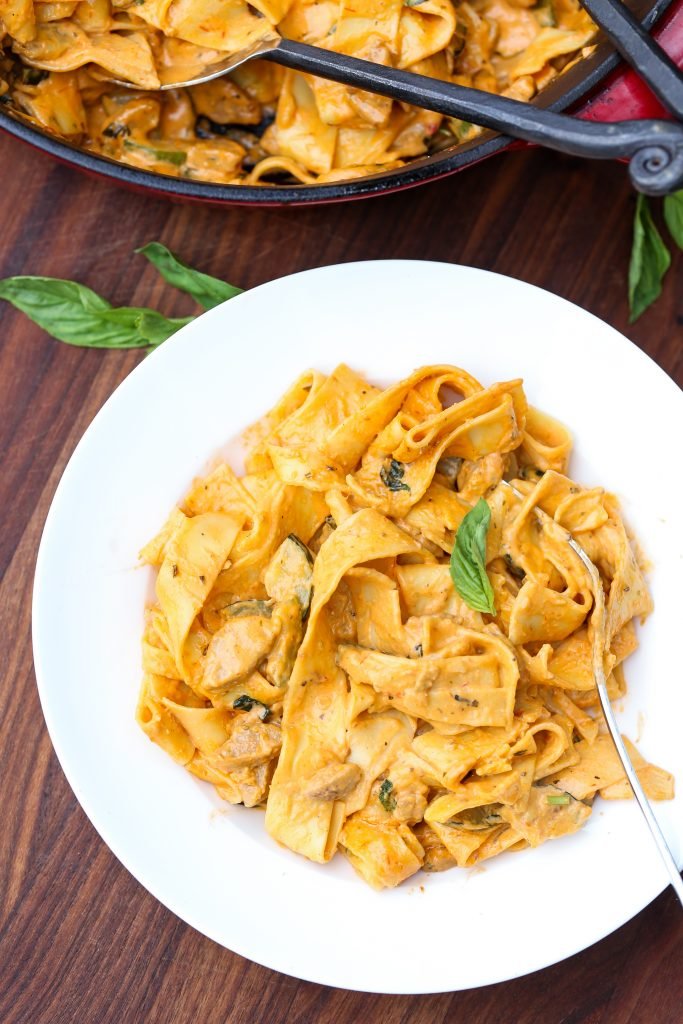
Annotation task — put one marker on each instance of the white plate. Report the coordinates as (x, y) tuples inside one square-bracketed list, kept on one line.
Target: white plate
[(213, 864)]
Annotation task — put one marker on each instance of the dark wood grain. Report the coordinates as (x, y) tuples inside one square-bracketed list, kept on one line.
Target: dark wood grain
[(80, 940)]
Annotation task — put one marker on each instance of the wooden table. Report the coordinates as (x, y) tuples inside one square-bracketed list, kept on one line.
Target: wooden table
[(80, 940)]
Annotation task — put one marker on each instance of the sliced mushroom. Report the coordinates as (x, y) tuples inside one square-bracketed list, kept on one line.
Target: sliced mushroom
[(281, 660), (290, 573)]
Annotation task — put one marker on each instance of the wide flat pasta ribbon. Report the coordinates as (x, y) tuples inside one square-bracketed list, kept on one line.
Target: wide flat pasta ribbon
[(316, 705), (194, 556)]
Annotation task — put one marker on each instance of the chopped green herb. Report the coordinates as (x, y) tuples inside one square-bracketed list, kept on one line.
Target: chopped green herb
[(413, 3), (468, 560), (246, 703), (386, 797), (392, 476), (169, 156), (559, 800)]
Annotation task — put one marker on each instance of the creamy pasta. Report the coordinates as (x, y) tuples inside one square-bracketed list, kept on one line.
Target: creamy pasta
[(315, 651), (263, 123)]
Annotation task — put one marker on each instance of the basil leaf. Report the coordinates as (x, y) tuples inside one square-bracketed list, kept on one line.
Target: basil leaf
[(468, 560), (246, 703), (392, 476), (673, 215), (386, 797), (206, 290), (650, 261), (73, 313), (169, 156)]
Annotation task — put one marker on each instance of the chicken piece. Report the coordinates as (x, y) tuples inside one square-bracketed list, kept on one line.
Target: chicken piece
[(223, 102), (548, 813), (248, 786), (333, 782), (237, 649), (476, 478), (251, 742), (437, 857)]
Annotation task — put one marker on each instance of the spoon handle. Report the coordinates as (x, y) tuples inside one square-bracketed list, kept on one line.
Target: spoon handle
[(645, 55), (655, 148)]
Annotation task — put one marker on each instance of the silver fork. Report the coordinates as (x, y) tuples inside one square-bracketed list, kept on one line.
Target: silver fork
[(598, 615)]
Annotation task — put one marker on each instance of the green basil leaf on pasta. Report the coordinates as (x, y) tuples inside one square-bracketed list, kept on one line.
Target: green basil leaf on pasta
[(78, 316), (650, 260), (246, 703), (177, 157), (386, 796), (673, 215), (468, 560), (392, 476), (206, 290)]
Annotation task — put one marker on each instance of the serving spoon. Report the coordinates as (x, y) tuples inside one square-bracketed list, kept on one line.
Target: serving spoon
[(653, 147), (598, 645)]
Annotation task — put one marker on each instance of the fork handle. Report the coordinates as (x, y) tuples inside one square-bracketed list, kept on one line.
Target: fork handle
[(654, 148), (641, 51)]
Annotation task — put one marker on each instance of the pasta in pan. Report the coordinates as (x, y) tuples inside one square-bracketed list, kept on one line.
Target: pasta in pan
[(263, 123), (328, 644)]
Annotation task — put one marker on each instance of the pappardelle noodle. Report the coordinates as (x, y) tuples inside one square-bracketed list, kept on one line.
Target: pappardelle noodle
[(309, 652), (264, 124)]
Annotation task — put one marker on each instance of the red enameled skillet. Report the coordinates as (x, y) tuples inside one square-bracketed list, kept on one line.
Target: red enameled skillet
[(598, 88)]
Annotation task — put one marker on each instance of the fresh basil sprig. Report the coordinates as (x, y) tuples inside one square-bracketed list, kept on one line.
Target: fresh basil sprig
[(75, 314), (206, 290), (650, 260), (650, 256), (673, 215), (468, 560)]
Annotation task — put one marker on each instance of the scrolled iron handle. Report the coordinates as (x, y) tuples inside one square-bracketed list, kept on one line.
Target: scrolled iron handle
[(654, 148)]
